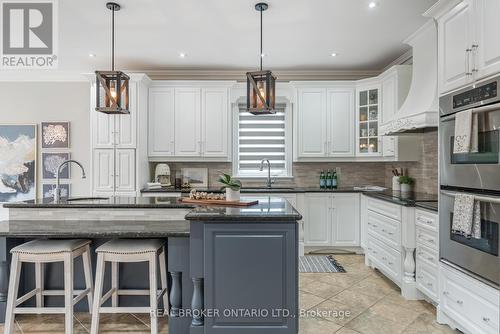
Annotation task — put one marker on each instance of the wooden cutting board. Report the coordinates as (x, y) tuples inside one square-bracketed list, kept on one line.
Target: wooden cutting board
[(216, 202)]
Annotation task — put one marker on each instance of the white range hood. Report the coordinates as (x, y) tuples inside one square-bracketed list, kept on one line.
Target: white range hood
[(420, 109)]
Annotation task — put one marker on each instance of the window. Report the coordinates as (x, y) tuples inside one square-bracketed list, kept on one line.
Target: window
[(262, 137)]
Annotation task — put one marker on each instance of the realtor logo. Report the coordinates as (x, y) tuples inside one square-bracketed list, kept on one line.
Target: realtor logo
[(28, 34)]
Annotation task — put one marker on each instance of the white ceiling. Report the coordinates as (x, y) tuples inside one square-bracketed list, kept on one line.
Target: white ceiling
[(224, 34)]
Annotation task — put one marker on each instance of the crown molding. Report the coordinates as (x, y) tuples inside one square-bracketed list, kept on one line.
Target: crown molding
[(440, 8), (239, 75), (404, 59)]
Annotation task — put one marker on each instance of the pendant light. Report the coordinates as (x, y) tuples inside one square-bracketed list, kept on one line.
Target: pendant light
[(261, 85), (112, 87)]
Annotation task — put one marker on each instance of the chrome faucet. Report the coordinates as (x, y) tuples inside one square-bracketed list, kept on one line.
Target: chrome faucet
[(57, 191), (269, 181)]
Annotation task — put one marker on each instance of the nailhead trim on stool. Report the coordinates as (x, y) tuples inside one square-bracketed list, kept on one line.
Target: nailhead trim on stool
[(130, 250), (41, 252)]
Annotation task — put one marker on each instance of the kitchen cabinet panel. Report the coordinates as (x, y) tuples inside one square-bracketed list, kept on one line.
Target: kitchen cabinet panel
[(318, 227), (103, 170), (487, 29), (346, 227), (125, 170), (312, 121), (161, 121), (341, 122), (187, 122), (215, 119), (455, 39), (103, 126)]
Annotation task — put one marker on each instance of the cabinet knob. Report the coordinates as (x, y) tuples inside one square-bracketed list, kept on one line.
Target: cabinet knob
[(460, 302), (420, 276), (391, 263), (446, 293), (485, 319)]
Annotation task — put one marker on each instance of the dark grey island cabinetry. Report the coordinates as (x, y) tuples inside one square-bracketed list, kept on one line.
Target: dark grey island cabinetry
[(230, 270)]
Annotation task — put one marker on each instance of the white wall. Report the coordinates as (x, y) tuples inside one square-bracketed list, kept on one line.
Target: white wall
[(29, 103)]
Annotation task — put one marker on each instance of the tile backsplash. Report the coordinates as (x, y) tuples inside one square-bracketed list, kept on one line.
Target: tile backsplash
[(306, 174)]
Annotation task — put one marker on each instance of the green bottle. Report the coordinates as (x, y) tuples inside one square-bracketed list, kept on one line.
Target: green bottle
[(334, 179), (322, 180), (329, 179)]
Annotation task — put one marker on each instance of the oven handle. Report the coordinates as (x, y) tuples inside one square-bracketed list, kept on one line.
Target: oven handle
[(479, 110), (487, 199)]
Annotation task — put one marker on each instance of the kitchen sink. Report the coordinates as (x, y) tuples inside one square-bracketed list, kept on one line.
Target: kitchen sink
[(86, 199)]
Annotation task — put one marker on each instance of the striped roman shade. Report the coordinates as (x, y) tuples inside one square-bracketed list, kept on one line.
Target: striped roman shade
[(262, 137)]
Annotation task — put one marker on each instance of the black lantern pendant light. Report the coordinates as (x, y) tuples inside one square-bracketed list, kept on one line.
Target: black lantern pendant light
[(112, 87), (261, 85)]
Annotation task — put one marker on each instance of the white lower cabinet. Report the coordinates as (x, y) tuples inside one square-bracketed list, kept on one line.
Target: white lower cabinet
[(466, 303), (427, 253), (114, 172), (332, 219)]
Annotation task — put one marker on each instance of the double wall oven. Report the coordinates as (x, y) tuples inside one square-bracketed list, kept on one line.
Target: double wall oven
[(477, 173)]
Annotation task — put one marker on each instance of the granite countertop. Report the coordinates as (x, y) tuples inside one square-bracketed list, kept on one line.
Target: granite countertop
[(94, 229), (257, 190), (269, 209), (405, 199), (432, 206), (103, 203)]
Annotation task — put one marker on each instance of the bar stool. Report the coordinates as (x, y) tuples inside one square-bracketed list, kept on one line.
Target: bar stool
[(40, 252), (130, 250)]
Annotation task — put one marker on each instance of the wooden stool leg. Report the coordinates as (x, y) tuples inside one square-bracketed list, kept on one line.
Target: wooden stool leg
[(163, 278), (15, 271), (114, 283), (39, 283), (99, 280), (153, 290), (89, 281), (68, 293)]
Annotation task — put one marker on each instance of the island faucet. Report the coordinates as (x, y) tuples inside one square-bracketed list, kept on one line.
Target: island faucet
[(269, 181), (57, 191)]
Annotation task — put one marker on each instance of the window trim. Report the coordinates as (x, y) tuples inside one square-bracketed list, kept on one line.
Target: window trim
[(288, 142)]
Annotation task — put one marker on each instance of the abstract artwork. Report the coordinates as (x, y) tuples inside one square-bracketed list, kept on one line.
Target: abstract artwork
[(50, 163), (49, 188), (55, 134), (17, 162)]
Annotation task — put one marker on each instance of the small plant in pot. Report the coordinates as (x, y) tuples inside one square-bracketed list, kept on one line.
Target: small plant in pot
[(406, 183), (232, 187)]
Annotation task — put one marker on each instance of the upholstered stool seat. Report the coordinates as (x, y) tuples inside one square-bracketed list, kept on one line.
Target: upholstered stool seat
[(41, 252), (130, 250)]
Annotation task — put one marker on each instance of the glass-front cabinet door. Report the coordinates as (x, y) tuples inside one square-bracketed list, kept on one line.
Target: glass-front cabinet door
[(368, 116)]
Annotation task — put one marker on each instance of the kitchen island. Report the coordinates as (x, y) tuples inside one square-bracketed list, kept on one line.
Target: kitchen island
[(231, 270)]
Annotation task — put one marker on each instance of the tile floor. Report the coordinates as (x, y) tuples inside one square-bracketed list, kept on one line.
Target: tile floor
[(359, 301)]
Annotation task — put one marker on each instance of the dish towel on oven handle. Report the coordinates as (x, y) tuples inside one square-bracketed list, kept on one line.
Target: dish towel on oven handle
[(466, 216), (466, 132)]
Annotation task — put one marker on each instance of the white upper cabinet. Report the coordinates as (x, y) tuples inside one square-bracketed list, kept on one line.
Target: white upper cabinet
[(161, 122), (487, 29), (468, 43), (116, 130), (312, 122), (214, 113), (454, 49), (325, 122), (187, 122), (340, 106), (368, 118)]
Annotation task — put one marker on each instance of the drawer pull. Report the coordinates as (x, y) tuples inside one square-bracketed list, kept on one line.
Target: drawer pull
[(446, 293), (460, 302), (485, 319), (374, 225), (430, 258), (369, 248), (391, 263), (374, 252), (384, 258), (390, 233), (429, 284), (420, 277), (420, 253), (430, 240)]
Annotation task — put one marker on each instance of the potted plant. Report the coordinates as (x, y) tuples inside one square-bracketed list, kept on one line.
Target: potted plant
[(232, 187), (406, 183)]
